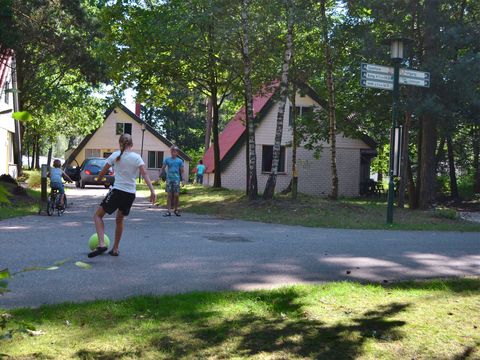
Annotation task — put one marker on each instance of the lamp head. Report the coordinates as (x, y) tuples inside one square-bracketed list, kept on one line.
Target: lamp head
[(397, 44)]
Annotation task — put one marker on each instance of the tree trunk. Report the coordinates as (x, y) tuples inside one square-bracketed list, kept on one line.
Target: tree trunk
[(294, 183), (208, 123), (331, 104), (476, 160), (272, 179), (247, 152), (412, 197), (451, 169), (247, 68), (404, 160), (37, 153), (34, 147), (428, 171), (49, 156), (440, 152), (217, 180)]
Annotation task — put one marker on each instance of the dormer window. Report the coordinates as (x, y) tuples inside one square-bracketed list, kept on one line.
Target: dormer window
[(124, 128)]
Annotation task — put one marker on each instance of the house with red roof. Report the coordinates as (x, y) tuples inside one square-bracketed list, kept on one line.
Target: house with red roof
[(354, 154), (8, 126)]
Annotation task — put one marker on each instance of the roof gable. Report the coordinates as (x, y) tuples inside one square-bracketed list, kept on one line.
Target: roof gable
[(132, 116), (234, 130)]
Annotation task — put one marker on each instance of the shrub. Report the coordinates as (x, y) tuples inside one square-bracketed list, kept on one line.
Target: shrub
[(4, 194), (445, 213), (465, 186), (34, 179)]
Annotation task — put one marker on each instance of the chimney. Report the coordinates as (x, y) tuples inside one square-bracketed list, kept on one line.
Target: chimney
[(138, 108)]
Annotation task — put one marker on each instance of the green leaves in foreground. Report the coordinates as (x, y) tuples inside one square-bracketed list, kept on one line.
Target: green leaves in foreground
[(83, 265), (4, 274), (35, 268), (24, 116)]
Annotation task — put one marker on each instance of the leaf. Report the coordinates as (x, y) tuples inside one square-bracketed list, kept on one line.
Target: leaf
[(22, 116), (36, 268), (61, 262), (4, 274), (83, 265)]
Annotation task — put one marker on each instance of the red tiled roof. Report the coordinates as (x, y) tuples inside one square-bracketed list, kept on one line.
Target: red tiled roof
[(234, 130)]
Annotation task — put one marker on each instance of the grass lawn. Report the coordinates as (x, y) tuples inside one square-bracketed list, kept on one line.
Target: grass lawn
[(412, 320), (20, 206), (313, 211)]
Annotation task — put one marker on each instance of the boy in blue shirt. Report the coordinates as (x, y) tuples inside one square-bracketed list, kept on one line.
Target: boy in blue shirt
[(56, 174), (174, 167), (200, 171)]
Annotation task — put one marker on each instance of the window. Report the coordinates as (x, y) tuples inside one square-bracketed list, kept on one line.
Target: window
[(267, 158), (6, 98), (302, 111), (89, 153), (106, 155), (123, 128), (155, 159)]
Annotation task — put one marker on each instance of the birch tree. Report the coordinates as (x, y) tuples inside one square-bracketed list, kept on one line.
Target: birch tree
[(252, 185), (331, 103), (283, 94)]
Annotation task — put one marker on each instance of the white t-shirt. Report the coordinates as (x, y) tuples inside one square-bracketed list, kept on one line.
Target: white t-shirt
[(126, 170)]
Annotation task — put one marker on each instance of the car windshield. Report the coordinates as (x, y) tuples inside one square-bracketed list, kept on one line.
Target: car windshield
[(100, 163)]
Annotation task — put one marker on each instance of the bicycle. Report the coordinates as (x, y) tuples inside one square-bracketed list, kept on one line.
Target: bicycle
[(53, 203)]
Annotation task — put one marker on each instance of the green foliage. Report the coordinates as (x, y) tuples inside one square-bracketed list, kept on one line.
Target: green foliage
[(34, 179), (444, 213), (4, 195), (4, 275), (56, 46)]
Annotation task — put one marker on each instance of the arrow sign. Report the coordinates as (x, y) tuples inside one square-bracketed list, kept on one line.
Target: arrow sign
[(423, 75), (415, 82), (377, 68), (377, 84), (381, 77), (375, 76)]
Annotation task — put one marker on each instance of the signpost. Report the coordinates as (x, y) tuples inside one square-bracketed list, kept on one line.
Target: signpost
[(381, 77), (390, 78)]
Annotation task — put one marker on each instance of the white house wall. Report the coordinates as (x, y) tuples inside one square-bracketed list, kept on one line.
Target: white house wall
[(106, 140), (7, 130)]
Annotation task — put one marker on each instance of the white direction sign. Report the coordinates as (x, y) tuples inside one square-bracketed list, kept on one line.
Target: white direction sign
[(377, 84), (377, 68), (415, 74), (415, 82), (381, 77)]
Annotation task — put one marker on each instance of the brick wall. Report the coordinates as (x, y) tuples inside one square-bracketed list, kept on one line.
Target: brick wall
[(314, 174)]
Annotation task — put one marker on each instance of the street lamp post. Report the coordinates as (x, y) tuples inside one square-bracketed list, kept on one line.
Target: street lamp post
[(396, 54), (141, 151)]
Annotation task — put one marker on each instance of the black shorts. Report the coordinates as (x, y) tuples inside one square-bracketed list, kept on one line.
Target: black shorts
[(118, 200)]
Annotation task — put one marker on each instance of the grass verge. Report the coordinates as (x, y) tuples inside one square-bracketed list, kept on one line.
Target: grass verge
[(312, 211), (410, 320), (19, 205)]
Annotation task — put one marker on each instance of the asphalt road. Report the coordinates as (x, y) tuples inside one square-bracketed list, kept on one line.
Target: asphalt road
[(172, 255)]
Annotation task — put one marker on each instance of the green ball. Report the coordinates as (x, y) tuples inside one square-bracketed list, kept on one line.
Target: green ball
[(93, 241)]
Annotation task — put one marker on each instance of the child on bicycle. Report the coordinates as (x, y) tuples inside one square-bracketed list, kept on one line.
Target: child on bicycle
[(56, 174), (120, 198)]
